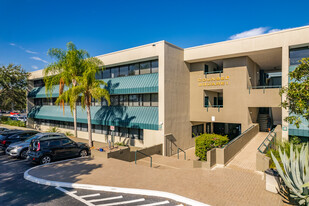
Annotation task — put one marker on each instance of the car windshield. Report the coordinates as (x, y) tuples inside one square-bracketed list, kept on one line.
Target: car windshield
[(28, 140)]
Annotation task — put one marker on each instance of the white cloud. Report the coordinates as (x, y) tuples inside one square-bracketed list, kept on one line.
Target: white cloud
[(12, 44), (34, 67), (38, 59), (30, 52), (249, 33), (273, 30)]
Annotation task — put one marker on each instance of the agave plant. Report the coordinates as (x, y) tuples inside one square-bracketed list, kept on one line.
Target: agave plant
[(295, 172)]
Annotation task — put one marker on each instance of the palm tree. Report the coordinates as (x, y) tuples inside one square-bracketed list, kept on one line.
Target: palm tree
[(69, 65), (88, 87)]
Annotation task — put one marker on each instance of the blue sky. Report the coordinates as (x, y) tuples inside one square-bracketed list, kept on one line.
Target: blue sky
[(28, 28)]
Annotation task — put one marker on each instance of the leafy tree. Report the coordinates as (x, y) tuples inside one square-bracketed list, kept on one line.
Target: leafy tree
[(88, 88), (13, 85), (297, 94), (69, 65)]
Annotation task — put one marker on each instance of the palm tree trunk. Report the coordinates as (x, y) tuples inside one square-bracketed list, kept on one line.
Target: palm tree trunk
[(75, 120), (89, 126)]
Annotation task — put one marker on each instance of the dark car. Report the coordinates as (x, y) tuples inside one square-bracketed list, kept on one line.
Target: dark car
[(3, 129), (13, 136), (47, 149)]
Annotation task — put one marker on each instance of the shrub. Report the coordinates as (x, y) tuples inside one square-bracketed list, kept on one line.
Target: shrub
[(54, 130), (206, 142), (69, 134), (17, 123)]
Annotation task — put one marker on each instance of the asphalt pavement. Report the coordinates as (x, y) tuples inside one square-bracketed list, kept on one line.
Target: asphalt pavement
[(15, 190)]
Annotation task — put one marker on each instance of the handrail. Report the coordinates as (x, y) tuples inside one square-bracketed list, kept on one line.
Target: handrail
[(214, 106), (271, 141), (143, 154), (214, 72), (182, 151), (236, 138), (264, 87)]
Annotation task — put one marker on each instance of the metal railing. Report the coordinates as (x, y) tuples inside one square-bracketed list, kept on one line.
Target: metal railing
[(214, 72), (143, 154), (182, 151), (270, 139), (214, 106), (236, 138), (264, 87)]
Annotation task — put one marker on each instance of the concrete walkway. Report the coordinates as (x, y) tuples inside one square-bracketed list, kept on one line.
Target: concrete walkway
[(222, 186), (246, 158)]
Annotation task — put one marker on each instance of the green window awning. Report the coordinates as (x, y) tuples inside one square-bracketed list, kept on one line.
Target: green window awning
[(131, 117), (146, 83)]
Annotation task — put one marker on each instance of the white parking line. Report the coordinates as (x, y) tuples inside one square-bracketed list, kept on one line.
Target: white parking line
[(105, 199), (75, 196), (13, 162), (91, 195), (124, 202), (157, 203)]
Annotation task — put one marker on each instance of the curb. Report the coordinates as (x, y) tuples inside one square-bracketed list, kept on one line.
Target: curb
[(155, 193)]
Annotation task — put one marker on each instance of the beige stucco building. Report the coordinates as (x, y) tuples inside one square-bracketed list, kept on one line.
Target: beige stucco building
[(163, 94)]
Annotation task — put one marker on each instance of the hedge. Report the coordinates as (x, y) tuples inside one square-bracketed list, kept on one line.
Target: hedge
[(206, 142)]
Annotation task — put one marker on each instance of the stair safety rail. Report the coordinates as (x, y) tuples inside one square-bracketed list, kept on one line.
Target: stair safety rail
[(144, 155), (179, 149), (270, 139), (239, 136)]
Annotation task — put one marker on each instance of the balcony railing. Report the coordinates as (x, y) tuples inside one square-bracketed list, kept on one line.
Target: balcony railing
[(264, 87), (214, 106), (214, 72)]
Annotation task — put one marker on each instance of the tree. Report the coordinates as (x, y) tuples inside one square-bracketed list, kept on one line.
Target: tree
[(297, 94), (88, 88), (13, 85), (69, 65)]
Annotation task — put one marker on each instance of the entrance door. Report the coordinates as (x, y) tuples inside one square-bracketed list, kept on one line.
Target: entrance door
[(208, 128)]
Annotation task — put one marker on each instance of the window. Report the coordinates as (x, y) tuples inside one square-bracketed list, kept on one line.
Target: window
[(114, 100), (66, 142), (145, 68), (133, 133), (206, 69), (106, 74), (98, 75), (125, 100), (114, 72), (105, 130), (154, 66), (55, 143), (124, 71), (146, 100), (123, 132), (297, 54), (154, 100), (206, 101), (197, 130), (133, 100), (85, 127), (134, 69), (98, 129)]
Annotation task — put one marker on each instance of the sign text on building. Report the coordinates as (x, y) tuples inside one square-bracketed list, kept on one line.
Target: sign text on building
[(213, 81)]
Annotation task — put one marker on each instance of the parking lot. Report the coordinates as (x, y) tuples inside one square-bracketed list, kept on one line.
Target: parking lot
[(15, 190)]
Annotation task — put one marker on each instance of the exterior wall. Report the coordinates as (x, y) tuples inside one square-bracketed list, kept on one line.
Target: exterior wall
[(177, 101)]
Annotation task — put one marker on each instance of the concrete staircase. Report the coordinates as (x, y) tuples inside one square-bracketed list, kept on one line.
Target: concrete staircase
[(262, 120)]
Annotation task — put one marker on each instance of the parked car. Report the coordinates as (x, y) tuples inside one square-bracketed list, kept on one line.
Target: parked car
[(13, 136), (22, 118), (20, 149), (3, 129), (14, 113), (48, 149)]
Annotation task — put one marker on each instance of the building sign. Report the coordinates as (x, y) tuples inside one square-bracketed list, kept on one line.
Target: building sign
[(213, 81), (213, 118)]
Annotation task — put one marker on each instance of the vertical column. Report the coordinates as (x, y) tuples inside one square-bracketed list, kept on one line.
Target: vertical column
[(285, 82)]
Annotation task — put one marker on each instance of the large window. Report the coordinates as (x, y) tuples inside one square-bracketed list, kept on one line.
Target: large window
[(129, 70), (197, 130), (297, 54)]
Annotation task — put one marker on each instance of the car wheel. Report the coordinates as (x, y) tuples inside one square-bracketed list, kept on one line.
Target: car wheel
[(23, 154), (45, 159), (83, 153)]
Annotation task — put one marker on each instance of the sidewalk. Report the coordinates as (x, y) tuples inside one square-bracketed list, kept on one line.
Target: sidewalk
[(221, 186)]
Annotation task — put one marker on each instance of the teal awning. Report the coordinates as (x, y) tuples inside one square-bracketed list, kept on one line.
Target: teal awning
[(131, 117), (146, 83)]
